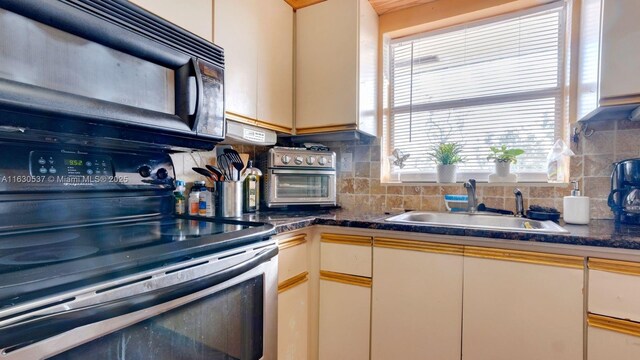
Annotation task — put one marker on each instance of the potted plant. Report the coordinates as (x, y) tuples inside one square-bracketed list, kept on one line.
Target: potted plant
[(446, 157), (503, 157)]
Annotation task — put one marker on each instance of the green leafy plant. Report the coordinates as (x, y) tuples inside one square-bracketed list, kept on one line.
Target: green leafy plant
[(503, 154), (446, 153)]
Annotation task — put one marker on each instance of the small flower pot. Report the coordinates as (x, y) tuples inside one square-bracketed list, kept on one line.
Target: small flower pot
[(447, 173), (503, 168), (503, 173)]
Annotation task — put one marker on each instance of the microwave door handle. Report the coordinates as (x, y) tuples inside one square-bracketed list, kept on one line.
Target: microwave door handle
[(189, 93), (43, 327)]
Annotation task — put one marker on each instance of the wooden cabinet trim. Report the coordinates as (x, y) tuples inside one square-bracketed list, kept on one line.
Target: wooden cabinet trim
[(299, 4), (293, 282), (255, 122), (345, 278), (346, 239), (620, 100), (614, 324), (574, 262), (415, 245), (324, 129), (292, 241), (616, 266)]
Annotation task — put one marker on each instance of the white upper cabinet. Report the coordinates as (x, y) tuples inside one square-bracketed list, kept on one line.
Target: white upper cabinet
[(236, 30), (275, 65), (195, 16), (609, 77), (336, 67), (257, 37)]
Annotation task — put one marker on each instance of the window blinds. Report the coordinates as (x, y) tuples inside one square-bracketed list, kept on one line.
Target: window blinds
[(484, 84)]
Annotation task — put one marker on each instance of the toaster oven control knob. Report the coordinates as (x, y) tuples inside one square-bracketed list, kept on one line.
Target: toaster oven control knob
[(298, 160), (162, 173), (286, 159), (322, 161), (311, 160), (144, 171)]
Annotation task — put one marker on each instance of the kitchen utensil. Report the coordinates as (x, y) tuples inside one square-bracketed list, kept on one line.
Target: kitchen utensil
[(539, 215), (229, 199), (236, 161), (215, 170), (483, 207), (225, 166), (206, 173)]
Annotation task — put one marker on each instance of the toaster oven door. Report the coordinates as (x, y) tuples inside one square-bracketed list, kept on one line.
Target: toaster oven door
[(302, 187)]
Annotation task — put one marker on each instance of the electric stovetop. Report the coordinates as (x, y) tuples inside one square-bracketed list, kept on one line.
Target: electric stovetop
[(36, 261)]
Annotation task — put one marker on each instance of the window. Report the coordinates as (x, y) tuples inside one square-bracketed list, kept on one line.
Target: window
[(499, 81)]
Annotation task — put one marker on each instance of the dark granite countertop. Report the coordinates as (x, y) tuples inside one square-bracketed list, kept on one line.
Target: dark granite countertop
[(600, 233)]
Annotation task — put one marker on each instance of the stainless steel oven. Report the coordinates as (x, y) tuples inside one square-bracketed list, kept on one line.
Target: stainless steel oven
[(296, 176), (216, 307), (94, 264)]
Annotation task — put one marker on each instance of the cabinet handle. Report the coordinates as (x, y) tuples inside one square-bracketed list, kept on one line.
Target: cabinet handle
[(614, 324), (292, 241), (347, 239), (345, 278)]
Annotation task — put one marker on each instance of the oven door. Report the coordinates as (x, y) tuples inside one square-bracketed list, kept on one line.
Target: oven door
[(211, 308), (303, 187)]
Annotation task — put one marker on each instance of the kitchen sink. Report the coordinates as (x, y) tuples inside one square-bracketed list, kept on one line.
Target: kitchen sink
[(478, 221)]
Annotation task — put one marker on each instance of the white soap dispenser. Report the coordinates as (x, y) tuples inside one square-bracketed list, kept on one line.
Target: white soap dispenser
[(576, 207)]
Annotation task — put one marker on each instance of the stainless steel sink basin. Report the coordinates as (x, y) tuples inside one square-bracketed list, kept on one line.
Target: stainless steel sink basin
[(478, 221)]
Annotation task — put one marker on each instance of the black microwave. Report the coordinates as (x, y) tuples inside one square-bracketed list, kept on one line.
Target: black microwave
[(107, 71)]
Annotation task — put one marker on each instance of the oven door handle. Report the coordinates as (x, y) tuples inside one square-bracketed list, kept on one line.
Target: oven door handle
[(43, 327)]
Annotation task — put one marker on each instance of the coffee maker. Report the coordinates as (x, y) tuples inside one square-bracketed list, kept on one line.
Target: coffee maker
[(624, 199)]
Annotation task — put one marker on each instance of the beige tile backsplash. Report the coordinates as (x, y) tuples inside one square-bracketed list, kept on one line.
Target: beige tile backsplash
[(361, 189)]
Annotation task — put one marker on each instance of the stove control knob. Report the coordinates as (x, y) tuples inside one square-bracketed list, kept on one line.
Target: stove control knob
[(311, 160), (144, 171), (298, 160), (322, 161), (286, 159), (162, 173)]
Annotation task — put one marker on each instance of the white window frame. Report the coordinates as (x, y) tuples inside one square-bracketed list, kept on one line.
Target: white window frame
[(393, 174)]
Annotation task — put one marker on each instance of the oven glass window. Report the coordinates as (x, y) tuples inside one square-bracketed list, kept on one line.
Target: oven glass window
[(291, 186), (226, 325)]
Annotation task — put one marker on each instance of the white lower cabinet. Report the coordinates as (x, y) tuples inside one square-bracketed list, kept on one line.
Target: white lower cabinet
[(613, 339), (293, 323), (345, 311), (416, 301), (345, 296), (522, 305)]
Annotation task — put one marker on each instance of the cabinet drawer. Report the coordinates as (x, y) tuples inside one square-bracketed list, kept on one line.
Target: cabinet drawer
[(347, 254), (612, 339), (614, 288), (292, 259)]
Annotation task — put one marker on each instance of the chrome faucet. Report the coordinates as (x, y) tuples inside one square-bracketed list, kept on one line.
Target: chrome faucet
[(472, 200), (519, 203)]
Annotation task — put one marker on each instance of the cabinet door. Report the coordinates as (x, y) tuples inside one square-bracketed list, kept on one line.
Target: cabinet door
[(236, 30), (327, 64), (293, 322), (520, 305), (344, 319), (620, 32), (275, 65), (416, 302), (611, 338), (195, 16)]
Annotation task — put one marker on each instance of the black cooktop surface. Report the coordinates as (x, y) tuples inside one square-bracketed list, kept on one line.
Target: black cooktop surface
[(32, 262)]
